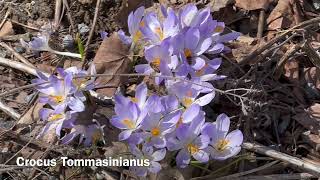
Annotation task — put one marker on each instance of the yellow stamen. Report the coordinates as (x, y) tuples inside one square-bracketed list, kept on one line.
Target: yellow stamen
[(180, 121), (155, 131), (218, 29), (222, 144), (193, 148), (133, 99), (137, 36), (142, 24), (186, 101), (188, 53), (158, 30), (128, 123), (57, 99), (156, 63), (55, 117)]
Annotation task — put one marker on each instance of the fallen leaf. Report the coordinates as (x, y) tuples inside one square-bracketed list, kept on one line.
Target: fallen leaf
[(311, 76), (111, 58), (312, 139), (216, 5), (281, 16), (253, 4), (310, 119), (6, 29)]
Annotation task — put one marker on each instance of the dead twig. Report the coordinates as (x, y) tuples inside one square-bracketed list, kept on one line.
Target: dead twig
[(262, 17), (5, 18), (16, 54), (57, 12), (19, 66), (95, 18), (255, 55), (9, 111), (297, 176), (66, 5), (310, 167), (26, 26)]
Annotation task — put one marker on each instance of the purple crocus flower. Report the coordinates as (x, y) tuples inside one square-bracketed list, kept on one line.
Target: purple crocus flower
[(156, 31), (160, 60), (55, 120), (188, 93), (190, 46), (80, 84), (128, 118), (154, 157), (58, 95), (134, 23), (189, 142), (88, 134), (223, 144), (103, 35), (156, 126)]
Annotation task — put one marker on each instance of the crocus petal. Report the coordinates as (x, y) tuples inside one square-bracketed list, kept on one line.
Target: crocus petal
[(203, 46), (199, 62), (155, 167), (125, 134), (183, 158), (76, 104), (159, 155), (192, 38), (117, 122), (159, 142), (144, 69), (206, 99), (223, 125), (190, 113), (201, 156), (235, 138), (141, 94)]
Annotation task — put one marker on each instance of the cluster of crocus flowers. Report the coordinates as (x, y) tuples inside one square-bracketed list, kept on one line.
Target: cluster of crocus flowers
[(177, 46), (64, 97)]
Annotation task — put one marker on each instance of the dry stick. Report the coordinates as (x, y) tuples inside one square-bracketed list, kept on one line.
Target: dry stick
[(257, 53), (95, 18), (9, 111), (262, 17), (65, 4), (310, 167), (57, 12), (26, 26), (5, 18), (249, 171), (16, 54), (278, 176)]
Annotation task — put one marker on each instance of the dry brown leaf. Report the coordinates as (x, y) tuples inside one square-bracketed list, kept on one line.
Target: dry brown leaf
[(312, 139), (291, 70), (6, 29), (253, 4), (111, 58), (281, 16), (310, 119), (311, 75), (216, 5), (30, 117)]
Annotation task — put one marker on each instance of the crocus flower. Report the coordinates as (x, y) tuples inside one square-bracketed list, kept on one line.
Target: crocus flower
[(58, 95), (189, 142), (127, 118), (190, 46), (188, 93), (55, 120), (88, 134), (147, 153), (160, 60), (80, 84), (156, 31), (190, 16), (156, 126), (223, 144), (134, 23)]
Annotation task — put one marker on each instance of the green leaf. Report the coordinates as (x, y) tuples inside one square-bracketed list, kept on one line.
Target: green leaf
[(80, 46)]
